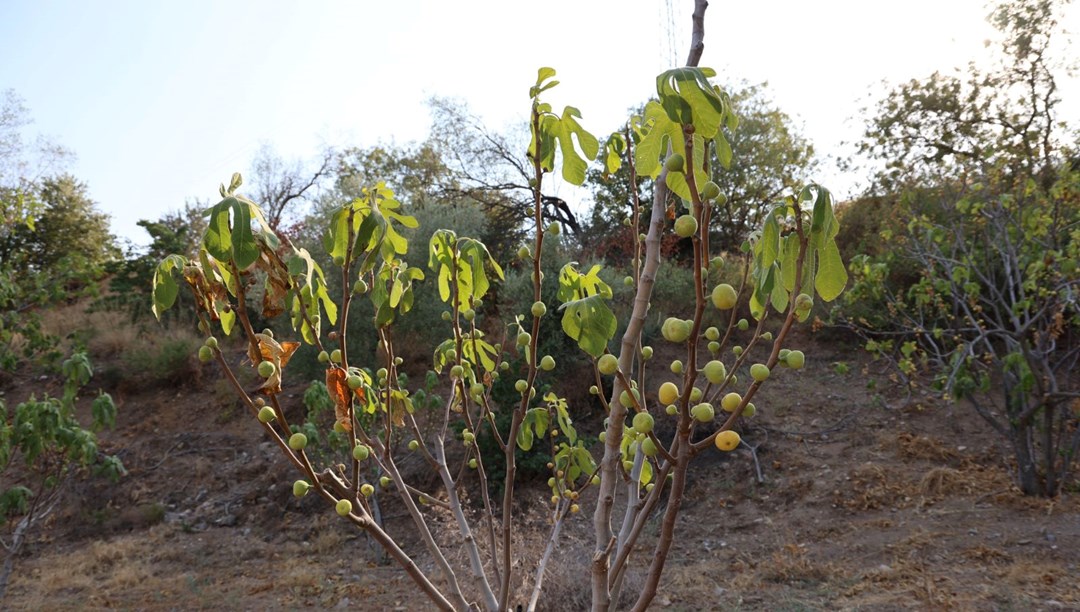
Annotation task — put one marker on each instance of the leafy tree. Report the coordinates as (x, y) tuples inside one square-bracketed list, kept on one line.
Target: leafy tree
[(43, 446), (68, 238), (52, 239), (793, 257), (130, 278), (984, 174)]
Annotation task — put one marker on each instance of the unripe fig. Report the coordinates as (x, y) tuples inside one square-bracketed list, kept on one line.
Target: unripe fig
[(643, 422), (712, 334), (672, 409), (648, 447), (360, 287), (624, 398), (361, 452), (767, 336), (696, 394), (646, 352), (468, 437), (266, 369), (524, 339), (385, 481), (268, 332), (686, 226), (743, 325), (323, 357), (211, 342), (354, 382), (554, 229), (749, 410), (521, 385), (710, 190), (731, 401), (297, 441), (343, 507), (468, 314), (675, 163), (413, 445), (457, 371), (594, 390), (703, 412), (715, 372), (539, 309), (300, 488), (608, 364), (628, 281), (206, 354), (676, 367), (795, 360), (473, 463), (759, 372), (367, 490), (335, 355), (523, 252), (476, 389), (266, 414), (724, 296), (675, 330), (547, 363), (714, 347)]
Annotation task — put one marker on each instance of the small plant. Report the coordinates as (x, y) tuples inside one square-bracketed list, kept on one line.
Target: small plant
[(378, 416), (52, 447)]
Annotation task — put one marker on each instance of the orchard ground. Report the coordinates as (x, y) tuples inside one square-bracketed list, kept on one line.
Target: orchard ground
[(871, 500)]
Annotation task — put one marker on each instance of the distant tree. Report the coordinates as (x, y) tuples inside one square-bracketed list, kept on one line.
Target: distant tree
[(281, 186), (177, 231), (493, 170), (70, 235), (983, 169), (23, 162)]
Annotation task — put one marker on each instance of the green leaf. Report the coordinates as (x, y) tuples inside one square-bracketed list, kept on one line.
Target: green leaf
[(831, 276), (165, 288), (590, 322)]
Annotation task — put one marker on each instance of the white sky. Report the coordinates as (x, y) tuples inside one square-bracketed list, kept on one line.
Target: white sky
[(161, 101)]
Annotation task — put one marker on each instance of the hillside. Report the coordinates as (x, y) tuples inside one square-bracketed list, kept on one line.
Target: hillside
[(868, 501)]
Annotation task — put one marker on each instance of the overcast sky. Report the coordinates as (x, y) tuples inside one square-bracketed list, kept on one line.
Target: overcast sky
[(161, 101)]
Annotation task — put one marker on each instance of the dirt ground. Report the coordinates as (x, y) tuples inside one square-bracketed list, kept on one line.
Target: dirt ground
[(868, 502)]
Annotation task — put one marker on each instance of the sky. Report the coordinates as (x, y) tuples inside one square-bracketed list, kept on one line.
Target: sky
[(162, 101)]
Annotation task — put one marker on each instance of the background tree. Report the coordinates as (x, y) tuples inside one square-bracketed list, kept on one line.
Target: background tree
[(285, 186), (983, 170), (491, 169)]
